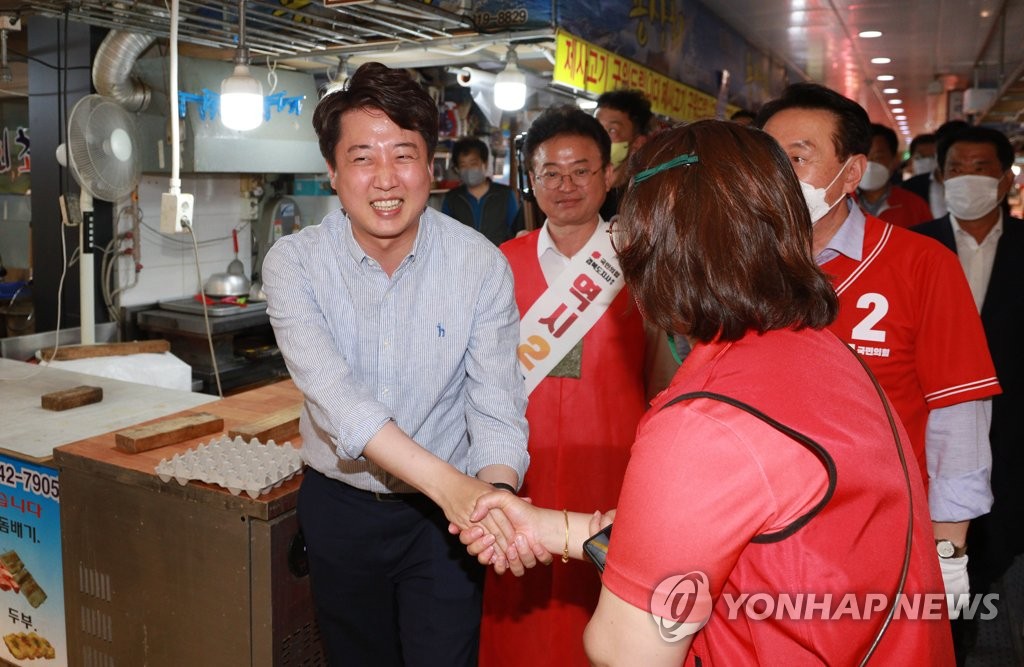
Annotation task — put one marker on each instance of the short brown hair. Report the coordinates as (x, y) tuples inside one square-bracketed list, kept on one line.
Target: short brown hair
[(376, 86), (721, 247)]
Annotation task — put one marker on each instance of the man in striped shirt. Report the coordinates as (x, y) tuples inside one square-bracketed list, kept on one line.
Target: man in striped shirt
[(400, 327)]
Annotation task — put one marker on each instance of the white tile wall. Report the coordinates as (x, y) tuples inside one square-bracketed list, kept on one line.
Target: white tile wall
[(169, 260)]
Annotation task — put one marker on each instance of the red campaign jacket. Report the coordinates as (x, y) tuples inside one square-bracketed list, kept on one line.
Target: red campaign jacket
[(581, 431)]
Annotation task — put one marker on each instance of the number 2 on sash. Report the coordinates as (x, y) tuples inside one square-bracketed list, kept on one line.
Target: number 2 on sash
[(536, 347)]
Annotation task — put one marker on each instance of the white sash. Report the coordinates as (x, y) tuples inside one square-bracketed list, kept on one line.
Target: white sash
[(572, 304)]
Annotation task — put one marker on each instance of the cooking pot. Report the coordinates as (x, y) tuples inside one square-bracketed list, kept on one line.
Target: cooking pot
[(220, 285)]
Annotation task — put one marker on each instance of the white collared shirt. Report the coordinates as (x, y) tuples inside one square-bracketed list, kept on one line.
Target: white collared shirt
[(977, 258), (552, 261), (937, 197)]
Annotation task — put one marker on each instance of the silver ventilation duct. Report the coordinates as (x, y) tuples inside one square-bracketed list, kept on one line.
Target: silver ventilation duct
[(112, 69)]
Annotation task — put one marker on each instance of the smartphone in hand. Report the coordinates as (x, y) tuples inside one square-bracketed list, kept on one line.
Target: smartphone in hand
[(596, 547)]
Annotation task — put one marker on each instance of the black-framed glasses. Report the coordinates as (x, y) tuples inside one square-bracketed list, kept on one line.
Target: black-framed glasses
[(552, 180)]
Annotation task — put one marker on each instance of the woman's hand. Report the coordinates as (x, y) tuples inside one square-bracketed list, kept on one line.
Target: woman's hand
[(524, 551)]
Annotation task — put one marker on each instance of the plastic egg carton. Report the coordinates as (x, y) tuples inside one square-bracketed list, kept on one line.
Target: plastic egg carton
[(235, 464)]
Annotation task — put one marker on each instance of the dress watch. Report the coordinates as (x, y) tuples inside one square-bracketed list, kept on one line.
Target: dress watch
[(947, 549)]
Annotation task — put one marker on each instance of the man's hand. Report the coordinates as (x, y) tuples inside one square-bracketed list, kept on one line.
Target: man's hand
[(526, 548)]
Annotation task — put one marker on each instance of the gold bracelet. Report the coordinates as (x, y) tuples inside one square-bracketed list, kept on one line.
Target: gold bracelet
[(565, 551)]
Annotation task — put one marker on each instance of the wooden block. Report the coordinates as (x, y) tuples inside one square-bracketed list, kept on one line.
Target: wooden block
[(72, 398), (278, 426), (167, 432), (67, 352)]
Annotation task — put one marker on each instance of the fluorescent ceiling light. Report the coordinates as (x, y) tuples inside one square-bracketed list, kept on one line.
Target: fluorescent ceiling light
[(881, 61), (869, 34)]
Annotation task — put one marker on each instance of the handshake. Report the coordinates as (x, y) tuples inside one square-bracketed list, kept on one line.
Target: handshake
[(511, 534)]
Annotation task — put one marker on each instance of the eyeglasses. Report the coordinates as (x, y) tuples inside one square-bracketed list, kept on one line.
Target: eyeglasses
[(552, 180), (617, 235)]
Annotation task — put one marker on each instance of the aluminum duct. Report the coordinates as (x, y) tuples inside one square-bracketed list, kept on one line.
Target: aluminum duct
[(112, 70)]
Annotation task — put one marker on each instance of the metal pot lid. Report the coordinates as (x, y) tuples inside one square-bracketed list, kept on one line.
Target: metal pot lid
[(220, 285)]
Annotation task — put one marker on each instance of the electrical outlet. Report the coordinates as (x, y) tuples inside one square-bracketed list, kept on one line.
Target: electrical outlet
[(10, 22), (175, 212), (70, 210)]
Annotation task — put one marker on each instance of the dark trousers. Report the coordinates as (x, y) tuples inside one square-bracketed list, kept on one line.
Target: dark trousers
[(390, 585)]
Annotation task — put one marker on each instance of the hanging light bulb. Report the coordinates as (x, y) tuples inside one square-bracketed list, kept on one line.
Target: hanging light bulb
[(241, 96), (241, 100), (510, 84)]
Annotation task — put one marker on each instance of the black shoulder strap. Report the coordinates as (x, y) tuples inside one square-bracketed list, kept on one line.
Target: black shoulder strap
[(829, 464), (820, 452)]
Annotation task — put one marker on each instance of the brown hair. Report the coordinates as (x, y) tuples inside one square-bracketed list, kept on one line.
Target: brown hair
[(376, 86), (721, 247)]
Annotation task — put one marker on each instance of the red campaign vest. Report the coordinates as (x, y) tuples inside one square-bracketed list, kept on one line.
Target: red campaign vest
[(581, 431), (855, 537)]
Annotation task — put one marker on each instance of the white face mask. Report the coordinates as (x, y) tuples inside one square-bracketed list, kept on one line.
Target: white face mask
[(876, 175), (817, 205), (971, 197), (924, 165)]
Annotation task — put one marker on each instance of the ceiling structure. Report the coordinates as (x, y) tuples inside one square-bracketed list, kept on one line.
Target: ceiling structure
[(935, 47)]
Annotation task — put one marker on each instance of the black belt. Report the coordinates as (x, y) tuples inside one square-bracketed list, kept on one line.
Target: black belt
[(384, 497)]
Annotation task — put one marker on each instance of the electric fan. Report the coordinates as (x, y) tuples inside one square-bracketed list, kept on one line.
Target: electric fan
[(100, 151)]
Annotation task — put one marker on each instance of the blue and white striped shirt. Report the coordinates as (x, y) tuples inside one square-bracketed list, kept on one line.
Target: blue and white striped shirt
[(432, 347)]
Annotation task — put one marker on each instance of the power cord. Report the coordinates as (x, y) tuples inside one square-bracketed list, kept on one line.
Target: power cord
[(44, 363), (185, 223)]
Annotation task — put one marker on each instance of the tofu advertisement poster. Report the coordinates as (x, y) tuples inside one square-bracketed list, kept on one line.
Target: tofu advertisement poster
[(31, 573)]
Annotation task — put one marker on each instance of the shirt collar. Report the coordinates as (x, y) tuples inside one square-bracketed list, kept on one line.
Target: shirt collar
[(359, 255), (545, 242), (874, 207), (849, 239), (992, 235)]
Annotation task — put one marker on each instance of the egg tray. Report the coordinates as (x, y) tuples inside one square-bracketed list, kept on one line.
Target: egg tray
[(236, 465)]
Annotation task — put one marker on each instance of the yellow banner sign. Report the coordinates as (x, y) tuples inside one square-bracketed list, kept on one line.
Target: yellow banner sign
[(585, 66)]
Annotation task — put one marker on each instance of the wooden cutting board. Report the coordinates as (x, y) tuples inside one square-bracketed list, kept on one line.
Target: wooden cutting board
[(278, 426), (167, 432), (67, 352)]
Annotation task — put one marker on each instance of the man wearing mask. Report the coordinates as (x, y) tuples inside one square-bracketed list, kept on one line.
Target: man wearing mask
[(488, 207), (876, 195), (926, 184), (626, 117), (922, 155), (975, 168), (904, 306)]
